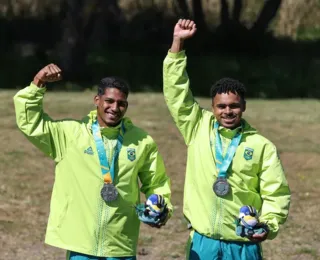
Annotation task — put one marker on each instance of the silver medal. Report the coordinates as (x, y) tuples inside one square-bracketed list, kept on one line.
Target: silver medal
[(221, 187), (109, 192)]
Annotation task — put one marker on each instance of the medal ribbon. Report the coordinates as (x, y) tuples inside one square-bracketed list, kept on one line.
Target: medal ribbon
[(107, 171), (223, 163)]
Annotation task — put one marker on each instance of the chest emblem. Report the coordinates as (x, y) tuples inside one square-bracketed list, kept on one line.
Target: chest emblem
[(248, 153), (131, 154)]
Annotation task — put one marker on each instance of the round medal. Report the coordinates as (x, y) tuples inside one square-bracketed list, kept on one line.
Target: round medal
[(221, 187), (109, 192)]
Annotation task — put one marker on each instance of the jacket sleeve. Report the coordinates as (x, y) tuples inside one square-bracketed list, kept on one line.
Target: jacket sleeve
[(153, 177), (274, 191), (185, 111), (37, 126)]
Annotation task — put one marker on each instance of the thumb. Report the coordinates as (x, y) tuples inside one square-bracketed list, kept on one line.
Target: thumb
[(194, 29)]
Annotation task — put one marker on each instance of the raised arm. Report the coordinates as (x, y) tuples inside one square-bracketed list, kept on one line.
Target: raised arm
[(182, 106), (37, 126)]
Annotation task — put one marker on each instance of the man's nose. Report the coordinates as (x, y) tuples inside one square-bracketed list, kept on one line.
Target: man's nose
[(114, 106), (228, 110)]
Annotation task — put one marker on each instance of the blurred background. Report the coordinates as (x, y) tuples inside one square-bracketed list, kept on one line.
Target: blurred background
[(270, 45), (273, 46)]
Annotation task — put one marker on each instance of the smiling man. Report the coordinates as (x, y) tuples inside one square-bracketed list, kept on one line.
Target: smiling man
[(229, 164), (100, 161)]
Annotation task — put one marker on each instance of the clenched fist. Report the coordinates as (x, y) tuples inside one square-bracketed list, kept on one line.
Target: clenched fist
[(184, 29), (49, 73)]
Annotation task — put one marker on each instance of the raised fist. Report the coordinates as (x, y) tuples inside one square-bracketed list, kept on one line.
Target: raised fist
[(184, 29), (49, 73)]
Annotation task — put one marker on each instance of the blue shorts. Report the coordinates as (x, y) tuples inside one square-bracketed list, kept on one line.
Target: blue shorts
[(204, 248), (77, 256)]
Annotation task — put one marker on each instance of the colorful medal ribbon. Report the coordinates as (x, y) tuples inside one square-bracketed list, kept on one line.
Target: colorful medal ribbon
[(223, 163), (107, 171)]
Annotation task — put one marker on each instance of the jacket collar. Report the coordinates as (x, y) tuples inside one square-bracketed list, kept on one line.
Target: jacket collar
[(230, 133)]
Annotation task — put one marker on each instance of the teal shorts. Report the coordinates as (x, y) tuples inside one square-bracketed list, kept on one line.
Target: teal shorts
[(77, 256), (205, 248)]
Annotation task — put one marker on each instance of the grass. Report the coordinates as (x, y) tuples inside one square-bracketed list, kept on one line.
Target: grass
[(26, 176)]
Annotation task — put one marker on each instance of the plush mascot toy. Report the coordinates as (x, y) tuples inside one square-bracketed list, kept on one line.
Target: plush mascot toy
[(154, 211), (247, 224)]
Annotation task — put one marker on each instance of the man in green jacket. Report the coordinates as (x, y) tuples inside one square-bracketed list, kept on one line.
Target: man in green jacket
[(229, 164), (99, 162)]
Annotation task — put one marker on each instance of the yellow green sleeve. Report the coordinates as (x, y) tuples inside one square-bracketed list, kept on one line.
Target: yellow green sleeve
[(185, 111), (153, 176), (274, 191), (37, 126)]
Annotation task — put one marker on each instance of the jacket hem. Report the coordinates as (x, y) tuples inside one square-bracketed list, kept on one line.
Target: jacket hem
[(88, 252)]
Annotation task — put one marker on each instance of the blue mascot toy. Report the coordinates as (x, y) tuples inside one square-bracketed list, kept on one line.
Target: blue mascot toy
[(247, 223), (153, 212)]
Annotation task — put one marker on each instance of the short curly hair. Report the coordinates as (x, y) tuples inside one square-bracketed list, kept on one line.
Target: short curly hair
[(113, 82), (226, 85)]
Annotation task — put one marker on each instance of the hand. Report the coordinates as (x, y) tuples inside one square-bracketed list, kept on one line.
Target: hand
[(49, 73), (152, 221), (184, 29), (164, 217), (257, 238)]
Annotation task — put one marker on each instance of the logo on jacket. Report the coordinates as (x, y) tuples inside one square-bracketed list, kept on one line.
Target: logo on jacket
[(248, 153), (89, 151), (131, 153)]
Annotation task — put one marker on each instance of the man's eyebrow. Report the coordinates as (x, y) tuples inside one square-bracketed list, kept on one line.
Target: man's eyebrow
[(231, 104)]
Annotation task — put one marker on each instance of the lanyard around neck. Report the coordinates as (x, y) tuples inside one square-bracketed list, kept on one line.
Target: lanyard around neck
[(223, 163), (106, 169)]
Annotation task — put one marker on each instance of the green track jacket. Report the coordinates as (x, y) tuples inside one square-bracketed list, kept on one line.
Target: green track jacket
[(256, 179), (79, 219)]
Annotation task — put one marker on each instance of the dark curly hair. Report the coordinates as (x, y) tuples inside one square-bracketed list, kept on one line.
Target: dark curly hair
[(113, 82), (226, 85)]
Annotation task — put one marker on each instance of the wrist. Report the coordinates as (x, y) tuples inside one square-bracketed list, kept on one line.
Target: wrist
[(177, 45), (38, 82)]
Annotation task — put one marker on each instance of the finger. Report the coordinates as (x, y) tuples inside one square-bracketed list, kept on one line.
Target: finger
[(56, 69), (50, 71), (59, 72), (179, 21), (262, 235), (55, 72), (187, 23), (191, 23), (46, 71), (183, 23), (194, 29)]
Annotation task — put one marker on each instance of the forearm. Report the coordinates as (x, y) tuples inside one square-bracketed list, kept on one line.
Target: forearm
[(176, 82), (178, 96), (153, 176), (177, 45), (274, 191), (38, 82), (28, 107), (37, 126), (274, 213)]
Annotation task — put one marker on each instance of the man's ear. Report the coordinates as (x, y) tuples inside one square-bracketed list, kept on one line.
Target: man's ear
[(96, 100)]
